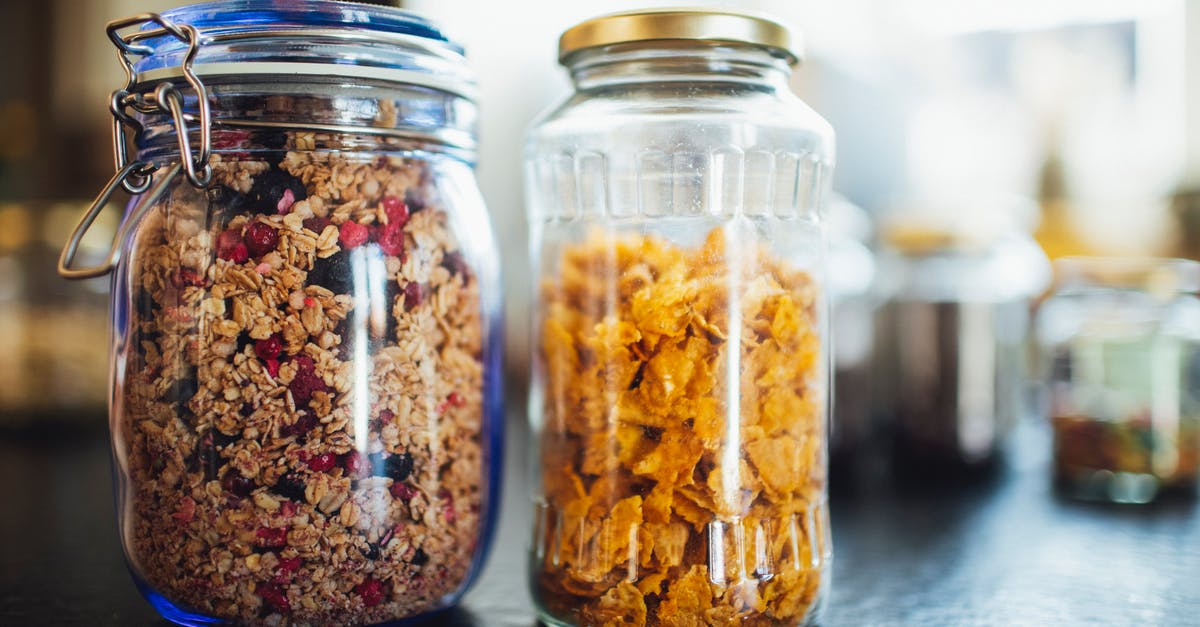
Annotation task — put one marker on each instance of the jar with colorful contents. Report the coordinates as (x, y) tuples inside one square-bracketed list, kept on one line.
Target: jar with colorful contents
[(681, 385), (1120, 342), (306, 404)]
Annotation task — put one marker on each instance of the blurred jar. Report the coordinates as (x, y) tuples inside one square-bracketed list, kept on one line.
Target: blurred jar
[(853, 303), (53, 367), (680, 379), (953, 335), (1120, 340)]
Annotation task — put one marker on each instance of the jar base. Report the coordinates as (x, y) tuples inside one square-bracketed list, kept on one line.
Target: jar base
[(1109, 486)]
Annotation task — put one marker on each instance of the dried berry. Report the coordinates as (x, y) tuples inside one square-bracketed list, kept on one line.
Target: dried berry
[(448, 511), (414, 295), (455, 263), (285, 203), (187, 277), (391, 239), (332, 273), (371, 591), (352, 234), (271, 537), (272, 367), (456, 400), (322, 463), (268, 189), (396, 210), (260, 238), (234, 483), (231, 247), (289, 565), (317, 224), (274, 597), (304, 423), (268, 348), (290, 486), (420, 558), (398, 466), (355, 464), (303, 385), (402, 491)]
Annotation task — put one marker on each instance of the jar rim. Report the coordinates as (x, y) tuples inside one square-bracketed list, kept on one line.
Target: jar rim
[(682, 24), (1159, 275), (301, 38)]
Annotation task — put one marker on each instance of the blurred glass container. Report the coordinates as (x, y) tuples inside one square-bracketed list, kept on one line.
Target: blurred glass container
[(853, 304), (952, 339), (53, 368), (1120, 341)]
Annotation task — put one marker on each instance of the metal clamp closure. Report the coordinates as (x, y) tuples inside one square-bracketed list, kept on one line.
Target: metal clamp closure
[(165, 98)]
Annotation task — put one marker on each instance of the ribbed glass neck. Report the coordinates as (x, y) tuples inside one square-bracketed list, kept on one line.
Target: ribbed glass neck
[(677, 62)]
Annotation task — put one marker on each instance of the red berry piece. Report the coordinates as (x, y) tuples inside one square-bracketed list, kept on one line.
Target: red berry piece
[(316, 224), (273, 368), (285, 202), (448, 510), (230, 246), (355, 464), (371, 591), (414, 295), (236, 484), (260, 238), (456, 399), (271, 537), (305, 423), (396, 210), (352, 234), (268, 348), (289, 565), (273, 595), (402, 491), (186, 511), (323, 462), (391, 239), (185, 277), (287, 509)]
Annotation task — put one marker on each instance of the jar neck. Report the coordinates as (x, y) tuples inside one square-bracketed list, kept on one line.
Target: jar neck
[(1161, 278), (677, 62)]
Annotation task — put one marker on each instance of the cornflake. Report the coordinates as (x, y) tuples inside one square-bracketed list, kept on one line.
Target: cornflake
[(664, 504)]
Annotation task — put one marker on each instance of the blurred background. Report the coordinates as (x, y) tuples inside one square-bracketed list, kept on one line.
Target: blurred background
[(1012, 133)]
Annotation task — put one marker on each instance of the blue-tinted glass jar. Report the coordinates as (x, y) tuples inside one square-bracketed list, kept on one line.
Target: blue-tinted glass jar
[(305, 407)]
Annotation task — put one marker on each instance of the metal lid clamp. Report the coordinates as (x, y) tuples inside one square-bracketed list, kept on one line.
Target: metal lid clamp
[(132, 175)]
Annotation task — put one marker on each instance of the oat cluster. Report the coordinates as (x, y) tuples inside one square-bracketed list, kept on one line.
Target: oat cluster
[(683, 462), (300, 418)]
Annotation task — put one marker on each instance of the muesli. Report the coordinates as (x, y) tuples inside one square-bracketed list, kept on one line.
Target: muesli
[(301, 411)]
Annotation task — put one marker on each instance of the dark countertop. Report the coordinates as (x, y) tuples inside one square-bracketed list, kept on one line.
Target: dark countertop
[(998, 550)]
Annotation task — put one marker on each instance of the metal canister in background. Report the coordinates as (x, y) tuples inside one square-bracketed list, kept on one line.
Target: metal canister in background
[(1120, 342), (953, 335)]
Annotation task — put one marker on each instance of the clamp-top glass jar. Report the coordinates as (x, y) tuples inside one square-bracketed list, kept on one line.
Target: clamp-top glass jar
[(681, 374), (306, 405)]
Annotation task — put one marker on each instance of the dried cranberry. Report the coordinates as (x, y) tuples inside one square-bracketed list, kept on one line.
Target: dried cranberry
[(354, 464), (316, 224), (268, 348), (187, 277), (414, 294), (396, 210), (399, 466), (303, 385), (289, 565), (403, 491), (235, 483), (304, 364), (391, 239), (456, 399), (304, 423), (268, 189), (273, 367), (323, 462), (273, 595), (260, 238), (352, 234), (290, 486), (371, 591), (285, 202), (271, 537), (231, 247), (448, 510)]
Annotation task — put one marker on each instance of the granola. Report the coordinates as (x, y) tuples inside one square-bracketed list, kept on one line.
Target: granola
[(669, 498), (300, 419)]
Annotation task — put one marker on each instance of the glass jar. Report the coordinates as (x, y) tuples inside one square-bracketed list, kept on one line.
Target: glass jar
[(680, 385), (953, 333), (1120, 343), (306, 407)]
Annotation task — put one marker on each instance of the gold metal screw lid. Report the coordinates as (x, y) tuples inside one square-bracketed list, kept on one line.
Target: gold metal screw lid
[(676, 24)]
